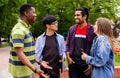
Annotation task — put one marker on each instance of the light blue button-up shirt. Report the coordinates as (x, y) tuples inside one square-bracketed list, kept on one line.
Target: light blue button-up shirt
[(101, 59), (40, 43)]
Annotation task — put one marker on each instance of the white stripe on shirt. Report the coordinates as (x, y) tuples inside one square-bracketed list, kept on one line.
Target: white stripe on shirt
[(82, 36)]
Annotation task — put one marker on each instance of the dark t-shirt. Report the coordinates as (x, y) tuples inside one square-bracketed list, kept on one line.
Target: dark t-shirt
[(50, 54), (80, 43)]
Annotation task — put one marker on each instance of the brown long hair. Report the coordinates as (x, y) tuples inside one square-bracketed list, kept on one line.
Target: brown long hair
[(104, 28)]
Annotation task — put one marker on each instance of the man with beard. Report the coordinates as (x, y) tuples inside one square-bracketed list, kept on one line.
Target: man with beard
[(80, 37)]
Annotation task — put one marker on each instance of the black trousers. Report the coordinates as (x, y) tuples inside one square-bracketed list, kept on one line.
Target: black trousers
[(52, 73), (77, 71)]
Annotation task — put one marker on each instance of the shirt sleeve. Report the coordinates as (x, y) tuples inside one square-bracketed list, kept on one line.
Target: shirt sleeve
[(17, 37), (37, 48), (68, 42), (101, 53), (63, 48)]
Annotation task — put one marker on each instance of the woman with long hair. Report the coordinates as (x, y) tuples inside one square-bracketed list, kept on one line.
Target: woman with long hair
[(102, 57)]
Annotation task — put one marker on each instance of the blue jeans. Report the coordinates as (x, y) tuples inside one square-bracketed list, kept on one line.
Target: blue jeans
[(77, 71)]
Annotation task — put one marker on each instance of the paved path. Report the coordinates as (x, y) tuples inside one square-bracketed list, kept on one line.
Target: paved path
[(4, 56)]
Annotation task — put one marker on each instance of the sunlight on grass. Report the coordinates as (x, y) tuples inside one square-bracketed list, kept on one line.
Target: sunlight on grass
[(5, 44)]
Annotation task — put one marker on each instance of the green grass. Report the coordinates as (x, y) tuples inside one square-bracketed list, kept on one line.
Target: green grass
[(5, 45), (117, 59), (66, 63), (116, 62)]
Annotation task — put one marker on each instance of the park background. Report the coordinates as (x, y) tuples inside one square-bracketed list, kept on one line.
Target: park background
[(64, 11)]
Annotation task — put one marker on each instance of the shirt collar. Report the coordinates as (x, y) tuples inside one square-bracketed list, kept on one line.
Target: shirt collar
[(44, 34), (22, 22)]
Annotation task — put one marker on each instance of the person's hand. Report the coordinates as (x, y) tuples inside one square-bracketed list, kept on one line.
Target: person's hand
[(41, 73), (44, 75), (70, 61), (88, 70), (45, 65), (83, 56), (38, 71), (61, 60)]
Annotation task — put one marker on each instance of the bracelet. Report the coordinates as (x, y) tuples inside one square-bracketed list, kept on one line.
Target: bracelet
[(35, 70)]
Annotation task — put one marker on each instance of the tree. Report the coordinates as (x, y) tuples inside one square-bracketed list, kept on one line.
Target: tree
[(62, 9), (9, 14)]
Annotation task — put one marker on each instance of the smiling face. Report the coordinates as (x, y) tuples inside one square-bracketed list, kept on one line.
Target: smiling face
[(79, 19)]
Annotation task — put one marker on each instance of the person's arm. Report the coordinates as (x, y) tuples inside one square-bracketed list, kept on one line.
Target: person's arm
[(69, 59), (17, 39), (102, 53), (63, 50), (43, 63), (24, 60)]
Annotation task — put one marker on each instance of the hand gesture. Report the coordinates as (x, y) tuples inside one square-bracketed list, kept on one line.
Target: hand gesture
[(44, 75), (70, 61), (45, 65), (38, 71), (83, 56)]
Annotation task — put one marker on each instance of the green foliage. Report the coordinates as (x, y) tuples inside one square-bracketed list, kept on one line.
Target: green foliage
[(62, 9), (9, 14)]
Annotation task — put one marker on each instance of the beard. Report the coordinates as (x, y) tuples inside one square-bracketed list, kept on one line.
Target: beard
[(78, 21), (31, 19)]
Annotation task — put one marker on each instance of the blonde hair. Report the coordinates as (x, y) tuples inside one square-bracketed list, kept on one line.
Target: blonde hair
[(104, 28)]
